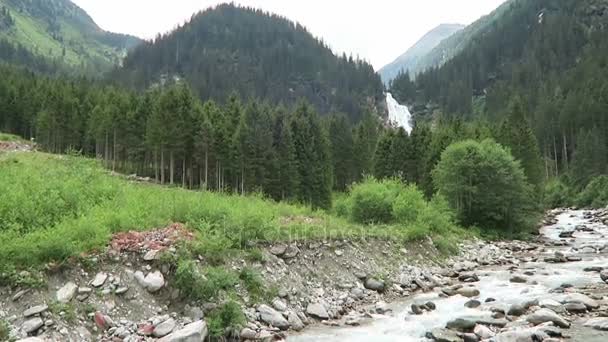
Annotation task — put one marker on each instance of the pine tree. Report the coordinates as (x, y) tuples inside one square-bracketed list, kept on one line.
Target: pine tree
[(341, 140), (384, 163)]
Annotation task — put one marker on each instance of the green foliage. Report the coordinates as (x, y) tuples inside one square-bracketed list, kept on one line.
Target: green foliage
[(408, 205), (256, 255), (229, 316), (557, 194), (485, 186), (342, 205), (9, 137), (253, 283), (595, 194), (206, 285), (372, 200), (66, 310), (4, 330)]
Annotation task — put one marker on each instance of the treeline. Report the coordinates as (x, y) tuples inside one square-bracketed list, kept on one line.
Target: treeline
[(551, 57), (230, 49)]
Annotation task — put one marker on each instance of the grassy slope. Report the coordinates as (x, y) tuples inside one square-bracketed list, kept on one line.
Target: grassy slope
[(80, 48)]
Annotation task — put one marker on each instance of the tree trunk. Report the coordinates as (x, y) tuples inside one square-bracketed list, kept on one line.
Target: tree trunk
[(106, 151), (184, 172), (555, 156), (156, 165), (162, 165), (206, 168), (171, 167), (565, 152), (114, 152)]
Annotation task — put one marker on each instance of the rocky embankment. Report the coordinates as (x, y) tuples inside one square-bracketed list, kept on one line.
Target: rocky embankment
[(338, 291)]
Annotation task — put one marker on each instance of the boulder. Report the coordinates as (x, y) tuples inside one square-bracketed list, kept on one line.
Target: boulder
[(518, 279), (472, 304), (317, 310), (32, 325), (416, 309), (552, 305), (483, 332), (443, 335), (575, 307), (516, 310), (279, 305), (581, 298), (294, 321), (470, 337), (164, 328), (546, 315), (66, 293), (599, 323), (152, 282), (468, 292), (193, 332), (461, 324), (374, 284), (604, 276), (272, 317)]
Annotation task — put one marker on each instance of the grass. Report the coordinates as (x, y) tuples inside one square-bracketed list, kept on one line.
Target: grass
[(228, 316), (4, 331), (10, 137)]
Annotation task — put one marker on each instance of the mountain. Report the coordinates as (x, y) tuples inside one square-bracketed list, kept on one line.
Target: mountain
[(41, 33), (414, 56), (545, 58), (229, 49)]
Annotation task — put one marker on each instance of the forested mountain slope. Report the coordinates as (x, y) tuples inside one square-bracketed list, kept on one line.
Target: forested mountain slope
[(553, 55), (414, 56), (256, 54), (50, 34)]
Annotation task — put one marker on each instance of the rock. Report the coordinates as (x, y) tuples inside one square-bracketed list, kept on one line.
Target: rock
[(278, 250), (382, 308), (102, 321), (468, 277), (193, 332), (31, 339), (461, 324), (357, 293), (151, 255), (279, 305), (248, 334), (374, 284), (32, 325), (468, 292), (518, 279), (99, 279), (35, 310), (164, 328), (604, 276), (516, 310), (490, 300), (465, 266), (573, 258), (66, 293), (416, 309), (470, 337), (294, 321), (552, 305), (472, 304), (153, 282), (581, 298), (483, 332), (360, 275), (430, 305), (19, 294), (546, 315), (566, 234), (527, 334), (595, 269), (291, 252), (121, 290), (317, 310), (272, 317), (575, 307), (443, 335), (599, 323), (353, 321)]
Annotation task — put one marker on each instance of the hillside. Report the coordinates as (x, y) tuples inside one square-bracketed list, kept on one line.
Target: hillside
[(414, 56), (40, 33), (256, 54), (547, 58)]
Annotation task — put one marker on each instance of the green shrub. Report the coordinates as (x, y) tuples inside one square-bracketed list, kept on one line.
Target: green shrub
[(408, 204), (556, 194), (595, 194), (227, 317), (196, 285), (485, 186), (4, 331), (253, 283), (342, 205), (372, 200)]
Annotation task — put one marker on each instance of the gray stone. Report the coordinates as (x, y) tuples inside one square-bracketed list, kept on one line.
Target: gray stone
[(279, 305), (66, 293), (317, 310), (248, 334), (357, 293), (294, 321), (193, 332), (121, 290), (552, 305), (470, 337), (99, 280), (518, 279), (546, 315), (443, 335), (35, 310), (374, 284), (416, 309), (516, 310), (272, 317), (581, 298), (291, 252), (604, 276), (472, 304), (599, 323), (151, 255), (483, 332), (468, 292), (152, 282), (575, 307), (32, 325), (461, 324), (278, 250), (164, 328)]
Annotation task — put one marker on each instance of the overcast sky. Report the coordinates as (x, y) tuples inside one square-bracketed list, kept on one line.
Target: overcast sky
[(378, 30)]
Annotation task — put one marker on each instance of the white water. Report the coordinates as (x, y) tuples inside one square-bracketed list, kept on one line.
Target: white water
[(494, 282), (397, 114)]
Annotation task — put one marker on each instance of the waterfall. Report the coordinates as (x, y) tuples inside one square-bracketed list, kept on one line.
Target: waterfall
[(398, 114)]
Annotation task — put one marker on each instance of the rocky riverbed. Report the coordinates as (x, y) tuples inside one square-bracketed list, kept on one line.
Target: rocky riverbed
[(552, 289), (340, 290)]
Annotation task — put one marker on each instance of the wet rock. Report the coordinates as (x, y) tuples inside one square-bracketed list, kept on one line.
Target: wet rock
[(516, 310), (573, 258), (35, 310), (196, 331), (416, 309), (581, 298), (595, 269), (546, 315), (443, 335), (518, 279), (66, 293), (599, 323), (461, 324), (468, 292), (472, 304), (317, 310), (530, 334), (470, 337), (430, 305), (468, 277), (99, 279), (490, 300), (248, 334), (32, 325), (272, 317), (382, 308), (566, 234), (552, 305), (374, 284), (164, 328), (575, 307), (353, 321), (483, 332), (465, 266), (294, 321), (604, 276)]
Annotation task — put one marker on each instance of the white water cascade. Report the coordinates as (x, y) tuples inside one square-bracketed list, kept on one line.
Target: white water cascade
[(398, 114)]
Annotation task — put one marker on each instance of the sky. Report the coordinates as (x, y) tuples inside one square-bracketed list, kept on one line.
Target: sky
[(377, 31)]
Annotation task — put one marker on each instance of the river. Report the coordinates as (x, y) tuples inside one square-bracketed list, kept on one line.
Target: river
[(494, 281)]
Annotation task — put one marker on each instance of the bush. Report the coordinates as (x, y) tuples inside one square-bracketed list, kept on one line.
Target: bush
[(595, 194), (4, 331), (253, 283), (408, 204), (556, 194), (342, 205), (372, 200), (227, 317), (485, 186)]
